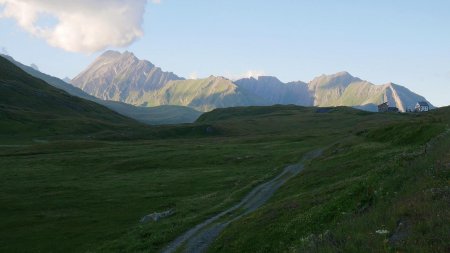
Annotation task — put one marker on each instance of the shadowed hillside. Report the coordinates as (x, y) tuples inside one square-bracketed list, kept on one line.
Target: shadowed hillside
[(31, 107), (148, 115)]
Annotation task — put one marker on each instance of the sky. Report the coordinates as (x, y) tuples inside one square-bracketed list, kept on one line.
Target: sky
[(402, 41)]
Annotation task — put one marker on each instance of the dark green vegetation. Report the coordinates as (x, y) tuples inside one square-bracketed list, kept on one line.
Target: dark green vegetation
[(82, 192)]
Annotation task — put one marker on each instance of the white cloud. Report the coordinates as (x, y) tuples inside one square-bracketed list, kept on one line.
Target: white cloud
[(253, 73), (248, 74), (81, 26), (193, 75)]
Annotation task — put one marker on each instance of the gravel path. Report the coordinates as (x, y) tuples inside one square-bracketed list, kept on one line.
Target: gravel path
[(198, 238)]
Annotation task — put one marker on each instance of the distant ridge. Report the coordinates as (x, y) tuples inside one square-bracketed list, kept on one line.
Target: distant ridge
[(123, 77)]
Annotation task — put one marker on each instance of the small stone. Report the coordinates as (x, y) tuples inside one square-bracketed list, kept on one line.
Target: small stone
[(382, 231), (156, 216)]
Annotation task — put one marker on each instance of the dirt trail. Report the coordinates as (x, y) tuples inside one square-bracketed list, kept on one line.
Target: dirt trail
[(198, 238)]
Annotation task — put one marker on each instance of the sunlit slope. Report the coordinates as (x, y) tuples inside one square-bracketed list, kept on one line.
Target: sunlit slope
[(202, 94)]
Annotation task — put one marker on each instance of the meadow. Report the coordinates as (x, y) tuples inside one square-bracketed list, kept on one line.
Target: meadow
[(64, 193)]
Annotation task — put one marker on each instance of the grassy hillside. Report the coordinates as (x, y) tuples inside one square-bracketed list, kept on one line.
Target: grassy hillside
[(382, 189), (362, 93), (29, 107), (148, 115), (201, 94), (79, 196)]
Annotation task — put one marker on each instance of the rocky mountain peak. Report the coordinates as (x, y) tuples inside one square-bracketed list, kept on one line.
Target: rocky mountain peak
[(342, 74), (111, 54), (121, 77)]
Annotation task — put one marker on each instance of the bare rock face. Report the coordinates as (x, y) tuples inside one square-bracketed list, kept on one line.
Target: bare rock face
[(121, 77)]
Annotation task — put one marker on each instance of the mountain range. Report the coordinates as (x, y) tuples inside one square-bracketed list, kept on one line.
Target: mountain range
[(125, 78)]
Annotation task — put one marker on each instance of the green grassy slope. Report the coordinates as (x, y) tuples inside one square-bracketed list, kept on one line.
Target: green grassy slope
[(362, 93), (29, 107), (382, 189), (201, 94), (79, 196)]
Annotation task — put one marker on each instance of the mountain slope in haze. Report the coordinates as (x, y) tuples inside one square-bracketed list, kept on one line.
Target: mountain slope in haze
[(31, 107), (147, 115), (158, 115), (340, 89), (121, 77), (273, 91)]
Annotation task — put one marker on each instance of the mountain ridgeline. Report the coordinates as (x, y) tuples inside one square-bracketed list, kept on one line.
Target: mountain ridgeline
[(123, 77)]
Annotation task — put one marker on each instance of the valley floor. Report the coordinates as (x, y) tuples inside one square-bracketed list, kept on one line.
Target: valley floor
[(381, 185)]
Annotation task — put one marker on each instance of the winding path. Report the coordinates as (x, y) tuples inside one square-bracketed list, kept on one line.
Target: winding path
[(198, 238)]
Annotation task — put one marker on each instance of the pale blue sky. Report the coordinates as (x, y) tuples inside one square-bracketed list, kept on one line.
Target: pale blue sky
[(406, 42)]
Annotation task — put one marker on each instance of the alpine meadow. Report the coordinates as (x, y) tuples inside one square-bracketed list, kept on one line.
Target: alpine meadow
[(102, 150)]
